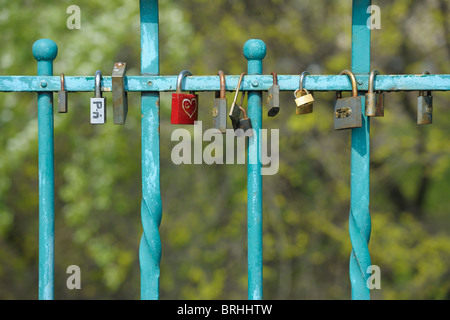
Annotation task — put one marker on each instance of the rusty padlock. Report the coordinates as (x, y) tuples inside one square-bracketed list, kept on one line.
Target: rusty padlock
[(425, 107), (273, 97), (184, 105), (219, 110), (374, 100)]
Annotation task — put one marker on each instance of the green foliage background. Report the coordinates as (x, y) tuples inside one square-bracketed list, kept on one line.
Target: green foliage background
[(203, 230)]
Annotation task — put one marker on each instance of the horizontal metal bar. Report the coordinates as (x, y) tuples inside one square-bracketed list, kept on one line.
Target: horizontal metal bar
[(212, 83)]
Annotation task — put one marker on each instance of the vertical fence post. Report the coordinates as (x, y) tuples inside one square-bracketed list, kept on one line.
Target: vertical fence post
[(151, 207), (254, 52), (359, 220), (45, 51)]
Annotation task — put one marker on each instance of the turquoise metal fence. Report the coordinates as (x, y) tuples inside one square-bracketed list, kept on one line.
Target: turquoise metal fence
[(150, 84)]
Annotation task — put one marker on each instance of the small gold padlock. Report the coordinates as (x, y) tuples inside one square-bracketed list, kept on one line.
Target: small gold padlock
[(303, 98), (304, 101)]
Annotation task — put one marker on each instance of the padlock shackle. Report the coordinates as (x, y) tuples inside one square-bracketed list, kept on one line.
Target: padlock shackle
[(239, 86), (353, 81), (62, 81), (275, 78), (243, 111), (98, 84), (222, 84), (372, 76), (302, 77), (180, 77)]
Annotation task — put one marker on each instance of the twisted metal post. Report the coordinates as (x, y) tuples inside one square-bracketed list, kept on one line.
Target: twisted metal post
[(359, 220), (151, 207)]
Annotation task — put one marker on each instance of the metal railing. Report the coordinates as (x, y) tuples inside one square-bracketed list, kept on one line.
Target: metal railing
[(150, 83)]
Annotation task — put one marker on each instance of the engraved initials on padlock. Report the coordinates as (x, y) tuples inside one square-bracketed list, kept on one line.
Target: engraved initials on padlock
[(98, 103)]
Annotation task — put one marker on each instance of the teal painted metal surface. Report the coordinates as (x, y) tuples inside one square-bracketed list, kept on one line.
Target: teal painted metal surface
[(359, 220), (254, 52), (151, 206), (149, 83), (45, 51)]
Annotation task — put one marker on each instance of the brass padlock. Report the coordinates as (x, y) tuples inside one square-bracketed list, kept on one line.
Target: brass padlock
[(303, 99), (347, 111), (273, 97), (374, 100), (219, 110), (425, 107)]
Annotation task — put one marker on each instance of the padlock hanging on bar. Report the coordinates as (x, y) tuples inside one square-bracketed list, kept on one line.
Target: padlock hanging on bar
[(98, 103), (347, 111), (235, 112), (303, 99), (219, 110), (62, 96), (425, 107), (119, 95), (184, 105), (273, 97), (374, 106)]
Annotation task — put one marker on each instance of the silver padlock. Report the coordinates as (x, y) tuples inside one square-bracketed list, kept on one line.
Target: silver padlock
[(425, 107), (347, 111), (374, 100), (219, 110), (62, 97), (98, 103), (273, 97)]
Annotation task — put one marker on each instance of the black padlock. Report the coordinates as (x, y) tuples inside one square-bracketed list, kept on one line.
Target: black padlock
[(244, 126)]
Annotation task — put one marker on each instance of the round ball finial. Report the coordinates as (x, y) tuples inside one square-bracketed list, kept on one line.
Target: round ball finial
[(255, 49), (45, 49)]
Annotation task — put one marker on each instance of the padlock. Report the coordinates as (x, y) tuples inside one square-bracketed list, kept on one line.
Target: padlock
[(273, 97), (219, 111), (184, 105), (244, 125), (374, 100), (98, 103), (62, 97), (347, 111), (303, 99), (425, 107), (235, 111)]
